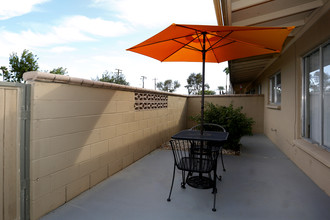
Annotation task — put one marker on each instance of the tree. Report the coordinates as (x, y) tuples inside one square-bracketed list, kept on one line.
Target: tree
[(18, 66), (207, 92), (195, 84), (118, 78), (59, 71), (226, 70), (5, 73), (168, 85), (221, 89)]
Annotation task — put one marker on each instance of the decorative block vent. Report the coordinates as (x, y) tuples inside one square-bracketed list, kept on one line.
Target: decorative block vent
[(145, 101)]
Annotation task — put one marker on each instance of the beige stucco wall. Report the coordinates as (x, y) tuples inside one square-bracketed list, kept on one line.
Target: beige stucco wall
[(283, 126), (253, 106), (81, 135)]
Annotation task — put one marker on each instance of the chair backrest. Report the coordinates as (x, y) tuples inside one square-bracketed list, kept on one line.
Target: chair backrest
[(209, 127), (189, 157)]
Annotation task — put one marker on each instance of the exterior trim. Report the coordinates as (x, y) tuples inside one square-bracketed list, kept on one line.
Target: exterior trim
[(47, 77)]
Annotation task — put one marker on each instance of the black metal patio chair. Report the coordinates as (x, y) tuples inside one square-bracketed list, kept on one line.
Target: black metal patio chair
[(214, 145), (196, 162)]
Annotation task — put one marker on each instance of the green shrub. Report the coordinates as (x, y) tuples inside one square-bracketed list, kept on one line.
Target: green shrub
[(232, 119)]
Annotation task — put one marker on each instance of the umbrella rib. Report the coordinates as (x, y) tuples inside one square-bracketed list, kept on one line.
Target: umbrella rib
[(223, 45), (198, 34), (247, 29), (211, 49), (211, 46), (156, 42), (247, 43), (185, 45)]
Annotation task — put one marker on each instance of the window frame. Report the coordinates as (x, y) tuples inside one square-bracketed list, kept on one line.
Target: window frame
[(305, 95), (273, 95)]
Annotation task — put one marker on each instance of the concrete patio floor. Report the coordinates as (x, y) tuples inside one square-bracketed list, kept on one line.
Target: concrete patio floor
[(261, 183)]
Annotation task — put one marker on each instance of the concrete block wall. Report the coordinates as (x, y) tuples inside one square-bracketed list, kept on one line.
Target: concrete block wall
[(82, 132), (81, 135)]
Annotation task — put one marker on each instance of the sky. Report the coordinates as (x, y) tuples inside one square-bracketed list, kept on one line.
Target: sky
[(88, 37)]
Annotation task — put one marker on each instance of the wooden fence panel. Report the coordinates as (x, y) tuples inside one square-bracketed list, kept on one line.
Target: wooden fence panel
[(2, 117), (9, 153)]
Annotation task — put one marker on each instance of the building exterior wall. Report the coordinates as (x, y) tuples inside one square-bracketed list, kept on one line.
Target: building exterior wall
[(81, 135), (253, 106), (283, 126)]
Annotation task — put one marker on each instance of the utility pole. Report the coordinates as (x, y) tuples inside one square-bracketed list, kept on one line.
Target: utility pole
[(142, 78), (155, 79), (119, 71)]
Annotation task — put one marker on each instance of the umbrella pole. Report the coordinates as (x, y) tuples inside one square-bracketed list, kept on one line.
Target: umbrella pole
[(202, 105), (203, 84)]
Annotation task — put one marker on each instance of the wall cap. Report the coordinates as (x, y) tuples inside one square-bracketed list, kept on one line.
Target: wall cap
[(37, 76), (228, 95), (54, 78)]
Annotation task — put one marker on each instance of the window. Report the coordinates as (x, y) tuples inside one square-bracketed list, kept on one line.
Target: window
[(275, 89), (316, 96), (259, 89)]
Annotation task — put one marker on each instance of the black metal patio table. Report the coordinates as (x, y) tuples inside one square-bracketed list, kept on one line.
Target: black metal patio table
[(201, 181), (196, 135)]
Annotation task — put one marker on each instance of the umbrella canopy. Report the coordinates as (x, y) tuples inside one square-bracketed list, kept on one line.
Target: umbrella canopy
[(222, 43), (204, 43)]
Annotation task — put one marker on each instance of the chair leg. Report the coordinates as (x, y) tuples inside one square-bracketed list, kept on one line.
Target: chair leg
[(215, 196), (223, 166), (218, 177), (215, 190), (169, 196), (183, 183)]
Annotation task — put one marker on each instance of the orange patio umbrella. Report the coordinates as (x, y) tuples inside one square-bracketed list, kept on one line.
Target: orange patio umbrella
[(204, 43)]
